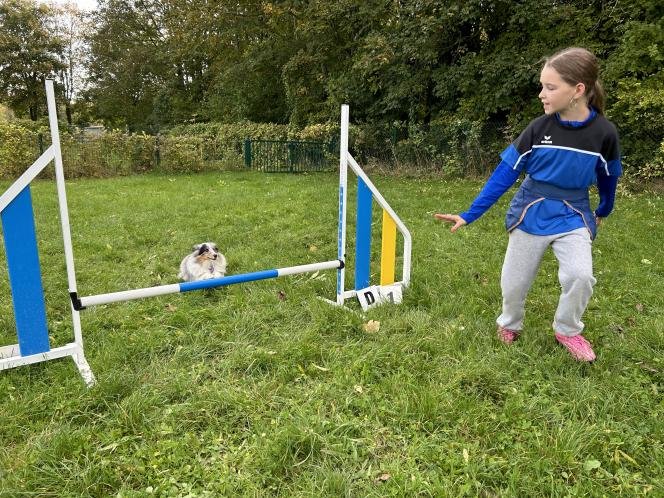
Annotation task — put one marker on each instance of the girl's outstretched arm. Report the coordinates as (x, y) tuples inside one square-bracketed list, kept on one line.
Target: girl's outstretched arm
[(500, 181)]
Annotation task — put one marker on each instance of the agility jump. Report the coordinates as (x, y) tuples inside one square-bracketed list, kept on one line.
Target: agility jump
[(25, 275)]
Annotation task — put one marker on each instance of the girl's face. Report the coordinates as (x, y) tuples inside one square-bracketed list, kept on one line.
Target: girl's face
[(557, 94)]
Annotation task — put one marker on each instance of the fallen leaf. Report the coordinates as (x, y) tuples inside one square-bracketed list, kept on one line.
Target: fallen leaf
[(313, 248), (646, 261), (358, 389), (591, 464), (639, 307), (281, 295), (646, 366), (372, 326), (171, 307), (318, 367), (466, 455), (383, 477)]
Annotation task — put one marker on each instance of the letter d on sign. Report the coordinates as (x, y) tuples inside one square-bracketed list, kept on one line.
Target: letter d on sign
[(368, 297)]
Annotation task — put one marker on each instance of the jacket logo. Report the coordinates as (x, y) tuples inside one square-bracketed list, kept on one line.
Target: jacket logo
[(547, 140)]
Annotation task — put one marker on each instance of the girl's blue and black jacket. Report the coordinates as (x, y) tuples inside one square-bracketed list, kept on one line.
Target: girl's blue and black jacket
[(561, 160)]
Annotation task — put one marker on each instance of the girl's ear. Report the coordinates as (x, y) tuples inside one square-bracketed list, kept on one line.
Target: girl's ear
[(580, 90)]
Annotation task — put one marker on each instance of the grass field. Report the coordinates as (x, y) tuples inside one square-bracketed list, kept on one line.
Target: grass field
[(262, 389)]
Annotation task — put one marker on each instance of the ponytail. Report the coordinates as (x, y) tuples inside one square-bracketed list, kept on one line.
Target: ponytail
[(597, 97)]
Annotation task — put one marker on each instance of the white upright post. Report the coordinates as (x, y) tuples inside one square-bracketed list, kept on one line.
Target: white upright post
[(343, 180), (79, 358)]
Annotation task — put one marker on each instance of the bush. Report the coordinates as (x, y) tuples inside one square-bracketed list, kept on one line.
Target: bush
[(635, 81), (638, 112), (111, 154), (449, 144), (18, 149), (181, 154), (212, 146), (325, 132)]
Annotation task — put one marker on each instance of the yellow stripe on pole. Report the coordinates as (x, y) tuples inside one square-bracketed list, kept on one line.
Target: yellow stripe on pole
[(388, 250)]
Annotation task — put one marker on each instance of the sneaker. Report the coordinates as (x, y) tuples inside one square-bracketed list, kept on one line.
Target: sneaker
[(507, 336), (578, 347)]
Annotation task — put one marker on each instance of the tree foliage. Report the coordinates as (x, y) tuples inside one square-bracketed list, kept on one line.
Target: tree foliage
[(28, 55), (68, 23), (408, 69)]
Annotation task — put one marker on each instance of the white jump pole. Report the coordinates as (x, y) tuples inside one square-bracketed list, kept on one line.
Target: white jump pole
[(343, 181), (211, 283), (79, 358)]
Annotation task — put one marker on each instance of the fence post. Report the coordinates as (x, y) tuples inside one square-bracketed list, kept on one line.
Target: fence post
[(290, 157), (157, 152), (247, 153), (333, 145)]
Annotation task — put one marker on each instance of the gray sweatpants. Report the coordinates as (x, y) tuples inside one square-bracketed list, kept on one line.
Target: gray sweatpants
[(575, 273)]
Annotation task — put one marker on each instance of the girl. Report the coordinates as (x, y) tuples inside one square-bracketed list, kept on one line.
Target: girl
[(565, 151)]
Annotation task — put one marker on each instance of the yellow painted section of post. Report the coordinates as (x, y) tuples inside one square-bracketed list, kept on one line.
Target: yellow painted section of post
[(388, 251)]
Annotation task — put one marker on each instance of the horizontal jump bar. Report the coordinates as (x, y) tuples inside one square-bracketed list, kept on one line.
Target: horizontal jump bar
[(161, 290)]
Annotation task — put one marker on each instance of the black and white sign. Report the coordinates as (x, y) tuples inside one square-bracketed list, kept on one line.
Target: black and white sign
[(379, 294)]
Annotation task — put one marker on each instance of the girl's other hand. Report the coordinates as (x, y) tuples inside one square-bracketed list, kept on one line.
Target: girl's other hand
[(451, 218)]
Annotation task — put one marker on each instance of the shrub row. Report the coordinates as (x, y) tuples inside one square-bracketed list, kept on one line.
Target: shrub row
[(448, 144)]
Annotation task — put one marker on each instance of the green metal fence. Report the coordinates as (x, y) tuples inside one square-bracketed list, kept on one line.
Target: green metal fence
[(278, 156)]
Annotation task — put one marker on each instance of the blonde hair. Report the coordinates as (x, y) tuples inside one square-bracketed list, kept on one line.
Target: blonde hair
[(578, 65)]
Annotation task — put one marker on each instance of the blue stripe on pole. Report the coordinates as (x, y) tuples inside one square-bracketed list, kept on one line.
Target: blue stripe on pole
[(232, 279), (340, 250), (18, 226), (362, 235)]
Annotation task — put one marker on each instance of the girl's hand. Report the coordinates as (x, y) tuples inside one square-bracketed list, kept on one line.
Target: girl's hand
[(598, 220), (451, 218)]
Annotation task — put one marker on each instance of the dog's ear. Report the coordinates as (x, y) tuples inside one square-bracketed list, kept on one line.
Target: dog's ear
[(196, 247), (202, 249)]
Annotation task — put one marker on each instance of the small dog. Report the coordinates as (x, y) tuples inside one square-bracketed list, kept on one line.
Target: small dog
[(205, 262)]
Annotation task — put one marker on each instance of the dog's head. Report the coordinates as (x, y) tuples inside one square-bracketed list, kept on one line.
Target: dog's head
[(206, 250)]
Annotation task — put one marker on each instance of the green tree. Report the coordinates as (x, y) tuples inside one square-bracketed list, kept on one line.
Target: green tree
[(28, 55), (69, 24), (128, 62), (424, 67)]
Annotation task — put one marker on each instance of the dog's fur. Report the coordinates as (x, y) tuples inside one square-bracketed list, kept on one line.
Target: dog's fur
[(205, 262)]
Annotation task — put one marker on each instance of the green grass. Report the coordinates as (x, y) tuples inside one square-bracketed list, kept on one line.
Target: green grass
[(239, 392)]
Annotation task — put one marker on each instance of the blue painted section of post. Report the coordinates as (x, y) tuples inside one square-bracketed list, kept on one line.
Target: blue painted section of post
[(18, 227), (340, 227), (363, 235), (232, 279)]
